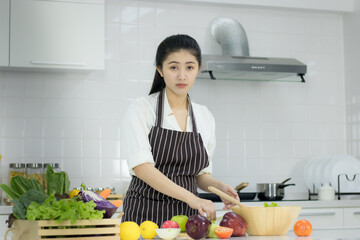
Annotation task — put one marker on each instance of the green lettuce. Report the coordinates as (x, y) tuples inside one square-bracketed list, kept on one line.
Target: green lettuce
[(63, 209), (271, 205)]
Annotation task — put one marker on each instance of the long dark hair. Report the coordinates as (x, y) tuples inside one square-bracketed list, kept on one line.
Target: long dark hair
[(169, 45)]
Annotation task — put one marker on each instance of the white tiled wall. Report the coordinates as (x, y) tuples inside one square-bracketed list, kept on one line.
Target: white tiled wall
[(266, 131), (352, 72)]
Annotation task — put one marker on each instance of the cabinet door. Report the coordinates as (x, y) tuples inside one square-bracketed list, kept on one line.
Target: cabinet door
[(3, 225), (352, 217), (4, 32), (57, 34), (323, 218)]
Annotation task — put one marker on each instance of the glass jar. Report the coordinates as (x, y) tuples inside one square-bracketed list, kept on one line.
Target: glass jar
[(112, 190), (99, 190), (90, 189), (16, 169), (34, 170), (55, 166)]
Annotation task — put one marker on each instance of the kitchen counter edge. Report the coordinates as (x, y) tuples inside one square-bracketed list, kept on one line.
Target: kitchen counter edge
[(304, 204)]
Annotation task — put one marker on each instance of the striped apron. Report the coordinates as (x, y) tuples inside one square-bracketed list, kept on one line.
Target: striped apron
[(178, 155)]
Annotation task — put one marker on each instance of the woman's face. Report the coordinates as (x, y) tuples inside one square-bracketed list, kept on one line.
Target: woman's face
[(179, 71)]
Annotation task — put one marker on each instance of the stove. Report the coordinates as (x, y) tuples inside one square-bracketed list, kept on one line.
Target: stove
[(247, 197)]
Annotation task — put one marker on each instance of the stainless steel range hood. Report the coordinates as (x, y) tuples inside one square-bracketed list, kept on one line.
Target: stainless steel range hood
[(236, 64)]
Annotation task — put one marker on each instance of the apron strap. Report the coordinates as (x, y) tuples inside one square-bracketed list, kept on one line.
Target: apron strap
[(192, 115), (160, 109)]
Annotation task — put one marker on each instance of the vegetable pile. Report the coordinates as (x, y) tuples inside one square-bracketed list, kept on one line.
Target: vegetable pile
[(63, 209), (33, 202)]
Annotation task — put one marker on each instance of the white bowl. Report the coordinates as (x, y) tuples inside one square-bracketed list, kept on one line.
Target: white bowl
[(168, 233)]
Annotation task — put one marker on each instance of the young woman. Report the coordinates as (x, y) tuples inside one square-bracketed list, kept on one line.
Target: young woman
[(169, 141)]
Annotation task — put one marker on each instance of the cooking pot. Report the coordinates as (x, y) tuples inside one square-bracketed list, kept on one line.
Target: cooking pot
[(272, 191)]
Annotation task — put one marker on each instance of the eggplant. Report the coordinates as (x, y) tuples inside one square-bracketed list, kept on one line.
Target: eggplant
[(101, 203)]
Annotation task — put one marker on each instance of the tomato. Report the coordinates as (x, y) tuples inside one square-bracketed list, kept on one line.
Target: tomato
[(303, 228), (223, 232)]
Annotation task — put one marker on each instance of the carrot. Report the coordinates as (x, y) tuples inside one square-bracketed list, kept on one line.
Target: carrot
[(105, 193), (117, 203)]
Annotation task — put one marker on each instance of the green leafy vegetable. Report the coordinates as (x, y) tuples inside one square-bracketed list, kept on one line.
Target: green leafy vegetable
[(19, 186), (26, 199), (10, 192), (271, 205), (56, 182), (63, 209)]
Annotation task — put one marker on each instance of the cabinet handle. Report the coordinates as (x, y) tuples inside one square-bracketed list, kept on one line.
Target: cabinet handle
[(356, 213), (58, 63), (318, 214), (73, 1)]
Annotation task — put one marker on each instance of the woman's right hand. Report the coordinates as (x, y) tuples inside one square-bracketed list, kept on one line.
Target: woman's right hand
[(204, 206)]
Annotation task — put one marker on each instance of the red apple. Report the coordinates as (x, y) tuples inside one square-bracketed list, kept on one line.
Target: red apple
[(170, 224), (236, 222), (197, 226)]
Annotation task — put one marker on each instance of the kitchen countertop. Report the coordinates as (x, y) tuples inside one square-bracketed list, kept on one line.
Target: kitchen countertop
[(302, 203), (5, 209), (331, 234)]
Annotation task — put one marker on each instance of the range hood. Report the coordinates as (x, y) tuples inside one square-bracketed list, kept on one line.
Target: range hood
[(235, 62)]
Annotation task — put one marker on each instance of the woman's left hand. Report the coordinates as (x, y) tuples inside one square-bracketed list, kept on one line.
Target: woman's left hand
[(230, 191)]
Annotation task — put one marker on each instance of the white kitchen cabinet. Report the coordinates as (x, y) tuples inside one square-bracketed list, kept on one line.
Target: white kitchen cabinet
[(323, 218), (351, 217), (4, 32), (3, 225), (57, 34)]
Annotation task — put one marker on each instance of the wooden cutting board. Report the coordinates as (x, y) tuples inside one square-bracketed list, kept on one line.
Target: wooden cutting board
[(183, 236)]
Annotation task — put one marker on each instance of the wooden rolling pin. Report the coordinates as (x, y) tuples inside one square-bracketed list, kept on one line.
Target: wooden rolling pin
[(224, 195)]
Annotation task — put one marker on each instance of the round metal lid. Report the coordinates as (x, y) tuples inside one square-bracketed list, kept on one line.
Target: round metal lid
[(53, 165), (17, 165), (34, 165)]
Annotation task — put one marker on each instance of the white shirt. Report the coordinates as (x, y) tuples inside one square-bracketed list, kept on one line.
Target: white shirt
[(140, 118)]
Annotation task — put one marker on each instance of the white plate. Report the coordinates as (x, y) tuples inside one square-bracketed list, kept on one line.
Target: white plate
[(309, 172), (325, 171), (345, 164), (307, 177), (317, 178)]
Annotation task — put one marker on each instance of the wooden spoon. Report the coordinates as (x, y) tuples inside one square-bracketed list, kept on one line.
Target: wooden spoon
[(225, 195), (241, 186)]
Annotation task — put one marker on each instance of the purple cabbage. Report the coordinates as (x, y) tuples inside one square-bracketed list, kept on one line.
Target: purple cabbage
[(101, 203)]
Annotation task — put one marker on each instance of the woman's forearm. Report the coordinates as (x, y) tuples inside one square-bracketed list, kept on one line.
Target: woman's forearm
[(157, 180), (206, 180)]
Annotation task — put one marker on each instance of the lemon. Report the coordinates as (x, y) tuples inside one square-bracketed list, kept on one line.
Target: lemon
[(129, 231), (147, 229)]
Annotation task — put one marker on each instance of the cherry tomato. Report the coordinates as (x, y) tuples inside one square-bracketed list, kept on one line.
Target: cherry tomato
[(223, 232), (302, 228)]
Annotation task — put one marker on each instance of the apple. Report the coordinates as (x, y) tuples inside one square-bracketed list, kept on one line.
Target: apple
[(212, 231), (197, 226), (236, 222), (181, 220), (170, 224)]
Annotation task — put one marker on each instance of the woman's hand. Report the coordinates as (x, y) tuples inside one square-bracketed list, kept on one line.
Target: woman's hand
[(205, 207), (230, 191)]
